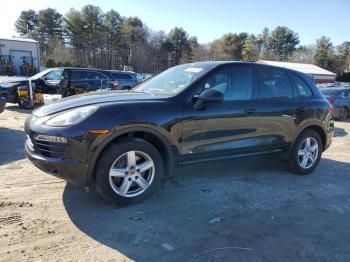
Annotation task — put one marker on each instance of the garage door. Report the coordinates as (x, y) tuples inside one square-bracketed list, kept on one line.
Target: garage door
[(16, 56)]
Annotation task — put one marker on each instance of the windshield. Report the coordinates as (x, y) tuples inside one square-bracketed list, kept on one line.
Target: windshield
[(175, 79)]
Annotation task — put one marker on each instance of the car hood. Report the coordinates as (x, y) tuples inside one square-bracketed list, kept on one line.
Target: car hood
[(94, 98)]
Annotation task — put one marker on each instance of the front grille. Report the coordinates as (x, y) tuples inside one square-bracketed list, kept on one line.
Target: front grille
[(50, 149)]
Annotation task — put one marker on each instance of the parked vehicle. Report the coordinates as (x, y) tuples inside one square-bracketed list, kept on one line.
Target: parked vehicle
[(64, 81), (125, 142), (340, 99), (122, 80)]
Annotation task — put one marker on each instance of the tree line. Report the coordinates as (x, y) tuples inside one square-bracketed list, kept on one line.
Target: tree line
[(92, 38)]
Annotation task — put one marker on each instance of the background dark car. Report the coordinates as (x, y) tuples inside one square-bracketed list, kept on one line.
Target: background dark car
[(340, 99), (83, 80), (45, 82), (122, 80), (65, 81)]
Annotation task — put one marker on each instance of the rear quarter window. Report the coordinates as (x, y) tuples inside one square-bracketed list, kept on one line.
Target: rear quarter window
[(302, 88)]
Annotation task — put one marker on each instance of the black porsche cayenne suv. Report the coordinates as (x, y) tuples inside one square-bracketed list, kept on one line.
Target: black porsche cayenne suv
[(124, 142)]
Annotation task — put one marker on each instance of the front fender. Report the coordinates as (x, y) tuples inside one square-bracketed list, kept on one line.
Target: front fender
[(103, 141)]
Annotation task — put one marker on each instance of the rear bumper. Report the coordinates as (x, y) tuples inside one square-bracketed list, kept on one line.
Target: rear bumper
[(70, 170)]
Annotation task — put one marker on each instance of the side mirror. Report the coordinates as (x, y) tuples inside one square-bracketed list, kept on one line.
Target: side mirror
[(207, 96)]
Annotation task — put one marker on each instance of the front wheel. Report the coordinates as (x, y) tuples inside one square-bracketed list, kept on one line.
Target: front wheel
[(129, 171), (306, 153)]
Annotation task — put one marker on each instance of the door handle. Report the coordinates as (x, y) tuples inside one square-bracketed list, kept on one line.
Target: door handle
[(250, 110)]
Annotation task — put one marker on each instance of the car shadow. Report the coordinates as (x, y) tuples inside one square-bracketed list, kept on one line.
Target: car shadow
[(241, 209), (16, 108), (339, 132), (11, 145)]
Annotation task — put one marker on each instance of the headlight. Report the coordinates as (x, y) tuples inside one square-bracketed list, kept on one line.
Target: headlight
[(71, 117), (8, 84)]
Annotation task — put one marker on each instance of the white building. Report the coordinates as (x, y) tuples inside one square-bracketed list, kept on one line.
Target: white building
[(319, 74), (18, 48)]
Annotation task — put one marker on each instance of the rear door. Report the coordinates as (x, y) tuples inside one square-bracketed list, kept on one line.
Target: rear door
[(279, 110)]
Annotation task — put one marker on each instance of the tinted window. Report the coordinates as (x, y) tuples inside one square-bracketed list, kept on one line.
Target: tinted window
[(274, 83), (78, 75), (302, 88), (95, 75), (235, 83), (121, 76)]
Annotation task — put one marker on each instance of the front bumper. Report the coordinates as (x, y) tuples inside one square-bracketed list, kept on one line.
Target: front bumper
[(70, 170), (9, 94)]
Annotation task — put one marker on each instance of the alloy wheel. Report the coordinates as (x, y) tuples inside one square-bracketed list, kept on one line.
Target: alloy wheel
[(308, 152), (131, 173)]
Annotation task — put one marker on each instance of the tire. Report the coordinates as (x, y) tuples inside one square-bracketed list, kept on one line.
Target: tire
[(126, 189), (295, 162), (343, 113)]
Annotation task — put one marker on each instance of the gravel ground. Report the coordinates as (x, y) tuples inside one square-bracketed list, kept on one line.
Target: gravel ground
[(238, 210)]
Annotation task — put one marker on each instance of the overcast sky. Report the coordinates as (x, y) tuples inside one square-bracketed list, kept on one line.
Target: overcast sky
[(209, 19)]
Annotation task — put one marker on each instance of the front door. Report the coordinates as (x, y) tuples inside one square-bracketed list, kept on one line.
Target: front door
[(225, 128)]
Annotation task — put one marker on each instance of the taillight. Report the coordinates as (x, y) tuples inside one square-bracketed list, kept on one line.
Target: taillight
[(331, 100)]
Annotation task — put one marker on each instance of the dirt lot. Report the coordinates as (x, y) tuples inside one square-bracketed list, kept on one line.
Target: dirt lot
[(250, 210)]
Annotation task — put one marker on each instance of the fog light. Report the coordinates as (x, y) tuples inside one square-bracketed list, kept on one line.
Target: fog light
[(55, 139)]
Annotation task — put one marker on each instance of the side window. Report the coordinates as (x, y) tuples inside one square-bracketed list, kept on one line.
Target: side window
[(241, 84), (302, 88), (78, 75), (93, 75), (274, 84), (235, 83), (54, 75)]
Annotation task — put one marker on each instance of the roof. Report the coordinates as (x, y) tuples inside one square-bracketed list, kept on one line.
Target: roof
[(304, 68), (19, 39)]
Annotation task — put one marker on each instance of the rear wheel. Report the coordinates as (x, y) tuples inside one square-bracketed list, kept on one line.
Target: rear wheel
[(343, 113), (306, 153), (129, 171)]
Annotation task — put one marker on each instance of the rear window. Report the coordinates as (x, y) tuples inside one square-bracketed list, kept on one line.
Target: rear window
[(121, 76)]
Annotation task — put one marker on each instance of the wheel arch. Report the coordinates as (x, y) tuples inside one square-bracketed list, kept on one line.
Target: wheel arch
[(318, 129), (168, 153)]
